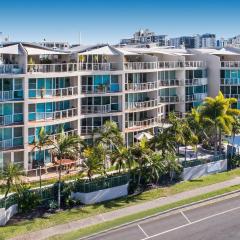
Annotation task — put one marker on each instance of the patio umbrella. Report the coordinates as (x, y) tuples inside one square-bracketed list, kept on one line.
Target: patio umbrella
[(141, 135)]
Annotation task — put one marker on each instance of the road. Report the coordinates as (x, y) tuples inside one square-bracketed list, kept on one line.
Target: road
[(220, 220)]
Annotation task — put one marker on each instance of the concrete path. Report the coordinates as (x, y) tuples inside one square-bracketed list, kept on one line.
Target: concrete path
[(86, 222)]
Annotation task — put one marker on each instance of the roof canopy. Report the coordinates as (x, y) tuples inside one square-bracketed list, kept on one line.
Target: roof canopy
[(11, 49), (106, 50), (42, 51)]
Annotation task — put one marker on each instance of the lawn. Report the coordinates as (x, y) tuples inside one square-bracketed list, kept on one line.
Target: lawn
[(74, 214)]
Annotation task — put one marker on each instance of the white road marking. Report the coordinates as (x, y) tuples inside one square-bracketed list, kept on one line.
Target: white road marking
[(185, 217), (188, 224), (143, 231)]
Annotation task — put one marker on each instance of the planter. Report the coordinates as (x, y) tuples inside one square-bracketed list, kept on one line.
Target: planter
[(101, 195), (6, 214)]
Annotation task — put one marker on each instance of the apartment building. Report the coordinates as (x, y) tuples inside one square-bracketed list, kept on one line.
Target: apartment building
[(79, 89)]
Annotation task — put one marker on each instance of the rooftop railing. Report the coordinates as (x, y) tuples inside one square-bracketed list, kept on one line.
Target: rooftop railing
[(10, 69), (230, 64), (46, 68)]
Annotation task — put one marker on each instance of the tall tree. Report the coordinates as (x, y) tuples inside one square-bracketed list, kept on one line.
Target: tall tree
[(11, 175), (219, 113), (65, 146)]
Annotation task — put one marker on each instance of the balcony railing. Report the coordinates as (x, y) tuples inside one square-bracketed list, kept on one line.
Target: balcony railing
[(10, 69), (237, 96), (11, 119), (47, 93), (141, 86), (46, 68), (12, 143), (91, 109), (152, 122), (88, 130), (92, 89), (11, 95), (230, 81), (173, 82), (55, 136), (141, 105), (98, 66), (230, 64), (196, 81), (170, 99), (49, 116), (196, 97), (163, 65)]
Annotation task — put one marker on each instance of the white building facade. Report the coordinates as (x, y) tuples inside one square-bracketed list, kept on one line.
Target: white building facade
[(79, 90)]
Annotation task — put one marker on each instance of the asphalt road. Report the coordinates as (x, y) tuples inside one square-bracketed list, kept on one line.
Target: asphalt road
[(220, 221)]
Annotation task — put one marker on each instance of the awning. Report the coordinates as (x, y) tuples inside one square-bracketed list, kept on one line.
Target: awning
[(142, 135), (12, 49), (42, 51), (106, 50)]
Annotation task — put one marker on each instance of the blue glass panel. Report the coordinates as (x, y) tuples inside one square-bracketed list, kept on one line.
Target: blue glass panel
[(48, 83), (32, 93), (40, 83), (106, 79), (49, 107), (40, 107), (31, 139), (114, 88), (7, 109), (32, 116), (47, 156), (7, 133), (97, 79)]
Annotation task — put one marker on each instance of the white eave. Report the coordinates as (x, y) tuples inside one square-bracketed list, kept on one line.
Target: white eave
[(42, 51), (11, 49)]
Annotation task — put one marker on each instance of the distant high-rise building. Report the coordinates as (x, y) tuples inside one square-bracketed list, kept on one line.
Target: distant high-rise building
[(208, 40), (145, 37), (184, 41)]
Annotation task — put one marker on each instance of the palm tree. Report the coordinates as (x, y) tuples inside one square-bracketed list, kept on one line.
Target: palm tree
[(141, 154), (156, 167), (39, 144), (121, 157), (220, 115), (171, 165), (164, 141), (65, 146), (92, 163), (11, 175), (109, 134)]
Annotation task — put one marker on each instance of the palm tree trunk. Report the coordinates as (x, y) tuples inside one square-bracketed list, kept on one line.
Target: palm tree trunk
[(59, 184), (233, 139), (220, 141), (215, 141), (8, 189)]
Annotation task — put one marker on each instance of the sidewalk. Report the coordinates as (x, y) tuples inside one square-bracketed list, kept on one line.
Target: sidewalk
[(86, 222)]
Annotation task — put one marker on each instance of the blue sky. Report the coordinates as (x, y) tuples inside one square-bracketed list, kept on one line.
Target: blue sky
[(105, 21)]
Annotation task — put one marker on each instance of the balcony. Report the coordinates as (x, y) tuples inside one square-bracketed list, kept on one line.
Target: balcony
[(196, 81), (10, 69), (141, 86), (47, 68), (89, 130), (101, 89), (170, 99), (13, 119), (141, 105), (52, 116), (163, 65), (144, 124), (230, 64), (98, 66), (55, 136), (49, 93), (169, 83), (230, 81), (103, 109), (11, 95), (196, 97), (237, 96), (13, 143)]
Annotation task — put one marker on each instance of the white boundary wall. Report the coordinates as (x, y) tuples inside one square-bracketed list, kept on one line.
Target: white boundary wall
[(101, 195), (204, 169), (6, 214)]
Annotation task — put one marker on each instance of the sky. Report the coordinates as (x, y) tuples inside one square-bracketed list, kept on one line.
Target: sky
[(107, 21)]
